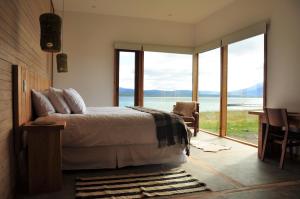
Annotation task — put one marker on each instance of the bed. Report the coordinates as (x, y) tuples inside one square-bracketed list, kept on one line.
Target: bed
[(112, 137), (107, 137)]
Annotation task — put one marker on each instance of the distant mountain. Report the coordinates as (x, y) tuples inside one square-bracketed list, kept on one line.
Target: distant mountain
[(157, 93), (126, 92), (209, 93), (253, 91)]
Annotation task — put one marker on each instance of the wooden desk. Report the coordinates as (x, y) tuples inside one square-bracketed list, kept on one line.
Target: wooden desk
[(294, 119)]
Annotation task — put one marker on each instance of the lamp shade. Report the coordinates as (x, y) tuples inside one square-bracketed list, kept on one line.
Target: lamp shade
[(50, 25), (62, 62)]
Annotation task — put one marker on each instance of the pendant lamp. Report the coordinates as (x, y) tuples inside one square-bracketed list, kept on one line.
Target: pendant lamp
[(50, 25), (62, 58), (62, 62)]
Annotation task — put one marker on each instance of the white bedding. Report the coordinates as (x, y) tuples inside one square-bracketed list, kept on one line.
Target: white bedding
[(106, 126)]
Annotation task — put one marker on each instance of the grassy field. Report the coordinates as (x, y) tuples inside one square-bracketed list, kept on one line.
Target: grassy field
[(240, 124)]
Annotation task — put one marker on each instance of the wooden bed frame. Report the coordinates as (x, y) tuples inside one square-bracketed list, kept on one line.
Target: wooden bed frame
[(23, 81)]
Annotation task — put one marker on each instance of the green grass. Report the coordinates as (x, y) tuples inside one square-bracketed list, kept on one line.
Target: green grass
[(209, 121), (240, 124)]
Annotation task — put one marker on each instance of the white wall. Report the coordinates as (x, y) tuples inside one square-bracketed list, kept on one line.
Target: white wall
[(89, 42), (283, 42)]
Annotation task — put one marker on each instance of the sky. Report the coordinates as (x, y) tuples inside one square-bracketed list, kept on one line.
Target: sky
[(170, 71), (162, 71)]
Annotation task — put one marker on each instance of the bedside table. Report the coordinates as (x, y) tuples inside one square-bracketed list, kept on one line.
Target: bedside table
[(44, 156)]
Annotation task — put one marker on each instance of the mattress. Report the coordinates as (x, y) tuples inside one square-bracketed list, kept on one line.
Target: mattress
[(106, 126)]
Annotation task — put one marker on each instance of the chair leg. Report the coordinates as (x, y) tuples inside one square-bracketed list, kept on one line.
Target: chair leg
[(265, 143), (195, 130), (283, 151)]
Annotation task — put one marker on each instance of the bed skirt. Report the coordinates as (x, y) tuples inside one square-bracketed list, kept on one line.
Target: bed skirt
[(120, 156)]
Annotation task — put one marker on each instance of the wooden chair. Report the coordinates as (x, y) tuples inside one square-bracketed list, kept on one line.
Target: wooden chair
[(189, 111), (278, 131)]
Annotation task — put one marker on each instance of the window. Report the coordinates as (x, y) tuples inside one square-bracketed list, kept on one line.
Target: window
[(127, 78), (209, 90), (229, 83), (167, 79), (245, 87)]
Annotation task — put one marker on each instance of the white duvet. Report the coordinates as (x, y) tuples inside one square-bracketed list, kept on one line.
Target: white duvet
[(103, 126)]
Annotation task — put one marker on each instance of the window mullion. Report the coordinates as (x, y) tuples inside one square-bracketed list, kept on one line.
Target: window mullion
[(223, 99)]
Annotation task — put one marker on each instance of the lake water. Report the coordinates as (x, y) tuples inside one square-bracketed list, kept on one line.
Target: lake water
[(207, 104)]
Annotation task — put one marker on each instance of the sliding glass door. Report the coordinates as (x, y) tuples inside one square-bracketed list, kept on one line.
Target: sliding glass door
[(245, 87), (167, 79), (209, 90)]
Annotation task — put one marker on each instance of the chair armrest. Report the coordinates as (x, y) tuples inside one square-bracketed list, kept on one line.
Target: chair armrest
[(195, 114)]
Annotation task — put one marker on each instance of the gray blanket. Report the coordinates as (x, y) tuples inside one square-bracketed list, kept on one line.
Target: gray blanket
[(170, 128)]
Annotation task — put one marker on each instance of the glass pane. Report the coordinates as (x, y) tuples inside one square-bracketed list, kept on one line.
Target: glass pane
[(167, 79), (209, 90), (126, 78), (245, 87)]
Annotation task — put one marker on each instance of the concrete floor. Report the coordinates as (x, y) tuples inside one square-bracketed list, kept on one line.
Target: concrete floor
[(235, 173)]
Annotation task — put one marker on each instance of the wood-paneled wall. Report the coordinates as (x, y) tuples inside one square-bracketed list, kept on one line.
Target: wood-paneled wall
[(19, 45)]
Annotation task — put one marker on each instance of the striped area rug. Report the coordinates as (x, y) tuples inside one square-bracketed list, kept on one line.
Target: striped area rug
[(138, 185)]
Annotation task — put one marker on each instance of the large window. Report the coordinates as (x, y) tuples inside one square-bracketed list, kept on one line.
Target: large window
[(245, 87), (228, 77), (167, 79), (209, 90)]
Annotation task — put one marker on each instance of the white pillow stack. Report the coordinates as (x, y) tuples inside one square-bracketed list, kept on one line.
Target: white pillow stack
[(41, 103), (57, 99), (74, 100)]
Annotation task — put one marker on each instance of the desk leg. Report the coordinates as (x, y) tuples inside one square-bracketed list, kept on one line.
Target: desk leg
[(260, 137)]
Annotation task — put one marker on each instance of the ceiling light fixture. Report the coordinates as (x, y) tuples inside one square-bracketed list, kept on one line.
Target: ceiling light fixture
[(62, 58), (50, 25)]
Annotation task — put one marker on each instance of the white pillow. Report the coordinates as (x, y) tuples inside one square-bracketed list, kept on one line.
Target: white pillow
[(56, 98), (74, 100), (41, 103)]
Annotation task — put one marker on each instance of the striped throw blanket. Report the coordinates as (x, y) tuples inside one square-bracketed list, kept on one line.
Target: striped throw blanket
[(170, 128), (138, 185)]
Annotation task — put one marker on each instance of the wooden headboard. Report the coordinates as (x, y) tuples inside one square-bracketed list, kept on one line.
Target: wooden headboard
[(23, 81)]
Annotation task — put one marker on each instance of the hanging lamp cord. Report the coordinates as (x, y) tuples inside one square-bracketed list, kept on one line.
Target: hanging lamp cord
[(62, 34), (51, 6)]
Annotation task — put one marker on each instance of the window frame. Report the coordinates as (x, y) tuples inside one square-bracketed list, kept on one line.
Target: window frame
[(138, 76)]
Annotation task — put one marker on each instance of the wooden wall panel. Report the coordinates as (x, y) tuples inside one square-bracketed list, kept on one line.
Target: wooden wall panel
[(19, 45), (6, 124)]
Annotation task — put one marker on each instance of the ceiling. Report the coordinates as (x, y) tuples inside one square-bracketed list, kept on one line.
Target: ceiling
[(185, 11)]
